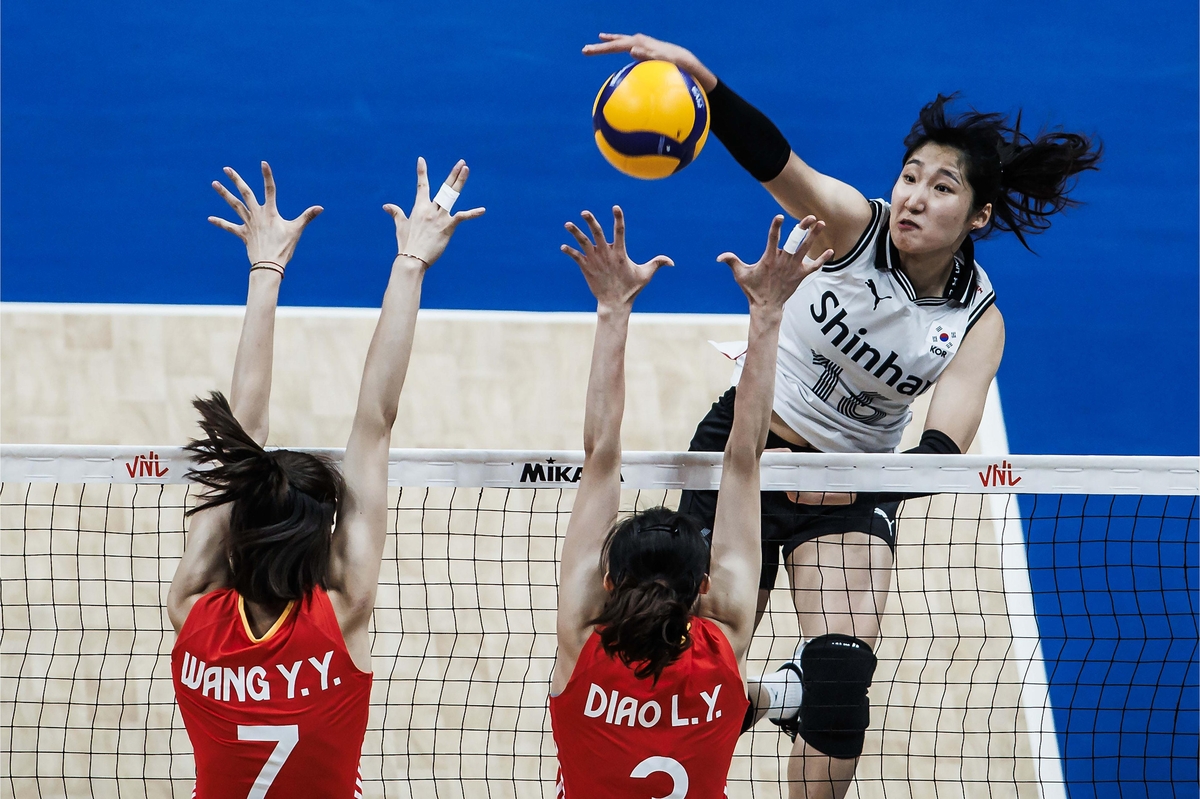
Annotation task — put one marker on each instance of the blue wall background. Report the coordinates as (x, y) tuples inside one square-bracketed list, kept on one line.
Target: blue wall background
[(117, 116)]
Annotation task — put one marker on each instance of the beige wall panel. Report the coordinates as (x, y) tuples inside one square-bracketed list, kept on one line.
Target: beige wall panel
[(92, 375)]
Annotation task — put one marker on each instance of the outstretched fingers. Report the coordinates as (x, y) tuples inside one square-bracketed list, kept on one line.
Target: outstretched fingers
[(400, 219), (813, 264), (773, 235), (310, 213), (268, 186), (237, 205), (618, 226), (808, 228), (422, 179), (594, 226), (584, 242), (812, 227), (458, 176), (732, 261), (463, 216), (237, 230), (242, 187), (574, 254)]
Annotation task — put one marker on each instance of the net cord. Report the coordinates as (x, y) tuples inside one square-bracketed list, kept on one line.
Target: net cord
[(428, 468)]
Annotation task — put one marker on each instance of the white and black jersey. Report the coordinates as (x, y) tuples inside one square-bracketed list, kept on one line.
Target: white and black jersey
[(857, 345)]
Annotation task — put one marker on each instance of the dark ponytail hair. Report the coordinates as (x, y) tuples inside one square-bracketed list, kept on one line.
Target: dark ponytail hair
[(284, 502), (656, 559), (1026, 180)]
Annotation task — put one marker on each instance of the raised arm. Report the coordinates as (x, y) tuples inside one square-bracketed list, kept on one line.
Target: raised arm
[(270, 242), (736, 544), (956, 407), (758, 145), (615, 281), (361, 527)]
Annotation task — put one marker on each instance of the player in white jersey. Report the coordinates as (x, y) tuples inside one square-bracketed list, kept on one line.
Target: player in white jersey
[(883, 322)]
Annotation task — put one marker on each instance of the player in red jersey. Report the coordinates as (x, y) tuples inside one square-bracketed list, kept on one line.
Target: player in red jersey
[(649, 689), (271, 601)]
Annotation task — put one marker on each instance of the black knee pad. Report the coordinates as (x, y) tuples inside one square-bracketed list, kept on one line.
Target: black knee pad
[(834, 709)]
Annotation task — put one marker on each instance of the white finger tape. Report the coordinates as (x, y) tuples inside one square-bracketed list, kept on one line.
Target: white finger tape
[(794, 240), (446, 197)]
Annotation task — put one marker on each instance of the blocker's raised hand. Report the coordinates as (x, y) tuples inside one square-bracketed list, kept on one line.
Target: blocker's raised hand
[(268, 236), (426, 230), (612, 276), (775, 277)]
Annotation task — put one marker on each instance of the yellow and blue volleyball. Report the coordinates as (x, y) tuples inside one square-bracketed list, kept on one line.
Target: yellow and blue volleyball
[(651, 119)]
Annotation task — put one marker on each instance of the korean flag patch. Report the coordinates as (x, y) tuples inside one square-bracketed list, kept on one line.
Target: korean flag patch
[(942, 340)]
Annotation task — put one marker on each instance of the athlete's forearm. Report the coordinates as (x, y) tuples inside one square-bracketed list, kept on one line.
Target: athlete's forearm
[(756, 386), (582, 594), (751, 138), (250, 393), (605, 405), (390, 349), (736, 549)]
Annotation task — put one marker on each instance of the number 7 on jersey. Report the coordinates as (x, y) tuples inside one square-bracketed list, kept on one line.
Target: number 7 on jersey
[(286, 737)]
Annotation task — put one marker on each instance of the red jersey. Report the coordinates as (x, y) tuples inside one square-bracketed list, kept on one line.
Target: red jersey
[(279, 716), (620, 737)]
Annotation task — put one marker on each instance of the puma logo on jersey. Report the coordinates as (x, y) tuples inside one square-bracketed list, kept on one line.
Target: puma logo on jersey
[(875, 294)]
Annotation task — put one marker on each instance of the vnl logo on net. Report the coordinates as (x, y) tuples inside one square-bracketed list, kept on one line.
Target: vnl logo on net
[(147, 466), (999, 474)]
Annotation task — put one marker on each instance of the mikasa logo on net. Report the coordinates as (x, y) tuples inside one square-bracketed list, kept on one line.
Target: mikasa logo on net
[(550, 471)]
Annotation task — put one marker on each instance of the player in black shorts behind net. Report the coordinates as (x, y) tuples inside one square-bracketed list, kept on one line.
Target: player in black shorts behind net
[(883, 322)]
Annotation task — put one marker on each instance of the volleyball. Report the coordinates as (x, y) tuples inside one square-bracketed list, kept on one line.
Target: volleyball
[(651, 119)]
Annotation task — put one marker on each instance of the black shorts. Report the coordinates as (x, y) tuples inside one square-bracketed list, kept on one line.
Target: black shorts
[(785, 524)]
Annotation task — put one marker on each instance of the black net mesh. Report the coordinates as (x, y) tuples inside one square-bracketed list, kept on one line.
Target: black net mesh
[(464, 643)]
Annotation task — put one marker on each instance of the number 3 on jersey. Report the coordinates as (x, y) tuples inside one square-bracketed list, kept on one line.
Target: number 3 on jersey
[(285, 737), (664, 765)]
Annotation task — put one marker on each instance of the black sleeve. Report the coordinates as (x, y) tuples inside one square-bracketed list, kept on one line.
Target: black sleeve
[(933, 442), (751, 138)]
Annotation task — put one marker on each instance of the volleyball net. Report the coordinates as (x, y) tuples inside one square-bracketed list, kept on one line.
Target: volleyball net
[(1040, 628)]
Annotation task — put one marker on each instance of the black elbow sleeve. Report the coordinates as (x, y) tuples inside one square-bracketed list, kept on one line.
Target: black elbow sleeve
[(751, 138), (935, 442)]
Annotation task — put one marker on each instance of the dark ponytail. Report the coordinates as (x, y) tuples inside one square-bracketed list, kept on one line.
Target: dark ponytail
[(657, 560), (283, 506), (1026, 180)]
